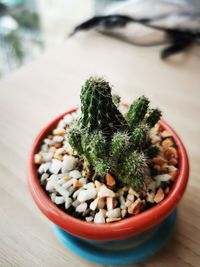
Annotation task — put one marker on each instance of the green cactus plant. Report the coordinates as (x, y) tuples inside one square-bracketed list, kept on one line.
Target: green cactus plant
[(110, 142)]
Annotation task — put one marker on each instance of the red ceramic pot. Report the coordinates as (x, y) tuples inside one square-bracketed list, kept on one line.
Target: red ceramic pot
[(119, 230)]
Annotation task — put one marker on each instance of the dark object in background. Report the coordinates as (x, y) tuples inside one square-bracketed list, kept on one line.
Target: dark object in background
[(178, 39)]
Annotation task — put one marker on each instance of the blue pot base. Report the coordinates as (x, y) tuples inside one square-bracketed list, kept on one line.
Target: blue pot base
[(90, 252)]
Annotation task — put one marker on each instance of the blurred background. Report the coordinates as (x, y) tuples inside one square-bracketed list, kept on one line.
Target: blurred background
[(29, 27)]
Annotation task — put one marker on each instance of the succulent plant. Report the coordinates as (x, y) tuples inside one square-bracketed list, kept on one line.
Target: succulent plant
[(110, 142)]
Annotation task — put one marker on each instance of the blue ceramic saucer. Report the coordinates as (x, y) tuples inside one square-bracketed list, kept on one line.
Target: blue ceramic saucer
[(106, 252)]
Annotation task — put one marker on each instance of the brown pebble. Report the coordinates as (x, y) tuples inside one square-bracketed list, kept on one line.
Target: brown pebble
[(110, 181), (173, 175), (159, 195), (77, 184), (172, 162), (136, 207), (164, 168), (57, 145), (167, 143), (170, 153), (50, 137), (158, 161)]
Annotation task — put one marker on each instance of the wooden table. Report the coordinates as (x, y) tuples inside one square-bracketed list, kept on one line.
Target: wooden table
[(36, 93)]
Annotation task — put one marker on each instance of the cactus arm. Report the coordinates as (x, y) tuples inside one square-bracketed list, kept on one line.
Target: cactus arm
[(137, 111), (153, 117), (132, 170), (74, 139)]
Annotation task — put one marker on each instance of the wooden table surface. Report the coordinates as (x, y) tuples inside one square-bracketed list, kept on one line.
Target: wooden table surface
[(36, 93)]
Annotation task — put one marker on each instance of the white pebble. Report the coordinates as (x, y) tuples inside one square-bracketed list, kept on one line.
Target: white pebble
[(44, 167), (83, 180), (69, 163), (113, 213), (70, 190), (53, 196), (47, 156), (44, 177), (44, 148), (172, 168), (69, 183), (68, 119), (55, 166), (68, 202), (61, 124), (63, 192), (75, 203), (122, 203), (93, 204), (87, 194), (48, 141), (58, 138), (130, 197), (89, 185), (50, 186), (75, 174), (82, 207), (89, 219), (161, 178), (105, 192), (59, 200), (74, 115), (99, 217), (77, 192)]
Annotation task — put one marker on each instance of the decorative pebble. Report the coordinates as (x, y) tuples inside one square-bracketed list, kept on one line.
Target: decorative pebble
[(93, 204), (89, 219), (58, 138), (59, 200), (76, 193), (105, 192), (115, 213), (159, 195), (59, 131), (44, 167), (82, 207), (38, 159), (108, 220), (83, 180), (55, 167), (68, 202), (44, 177), (69, 183), (99, 217), (110, 203), (87, 194), (47, 156), (89, 185), (75, 174), (110, 181), (53, 196), (68, 119), (69, 163), (75, 203), (135, 207)]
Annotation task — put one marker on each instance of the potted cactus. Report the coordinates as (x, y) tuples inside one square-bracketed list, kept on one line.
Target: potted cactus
[(109, 178)]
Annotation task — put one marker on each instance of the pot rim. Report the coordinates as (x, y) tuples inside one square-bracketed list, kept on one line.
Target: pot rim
[(117, 230)]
